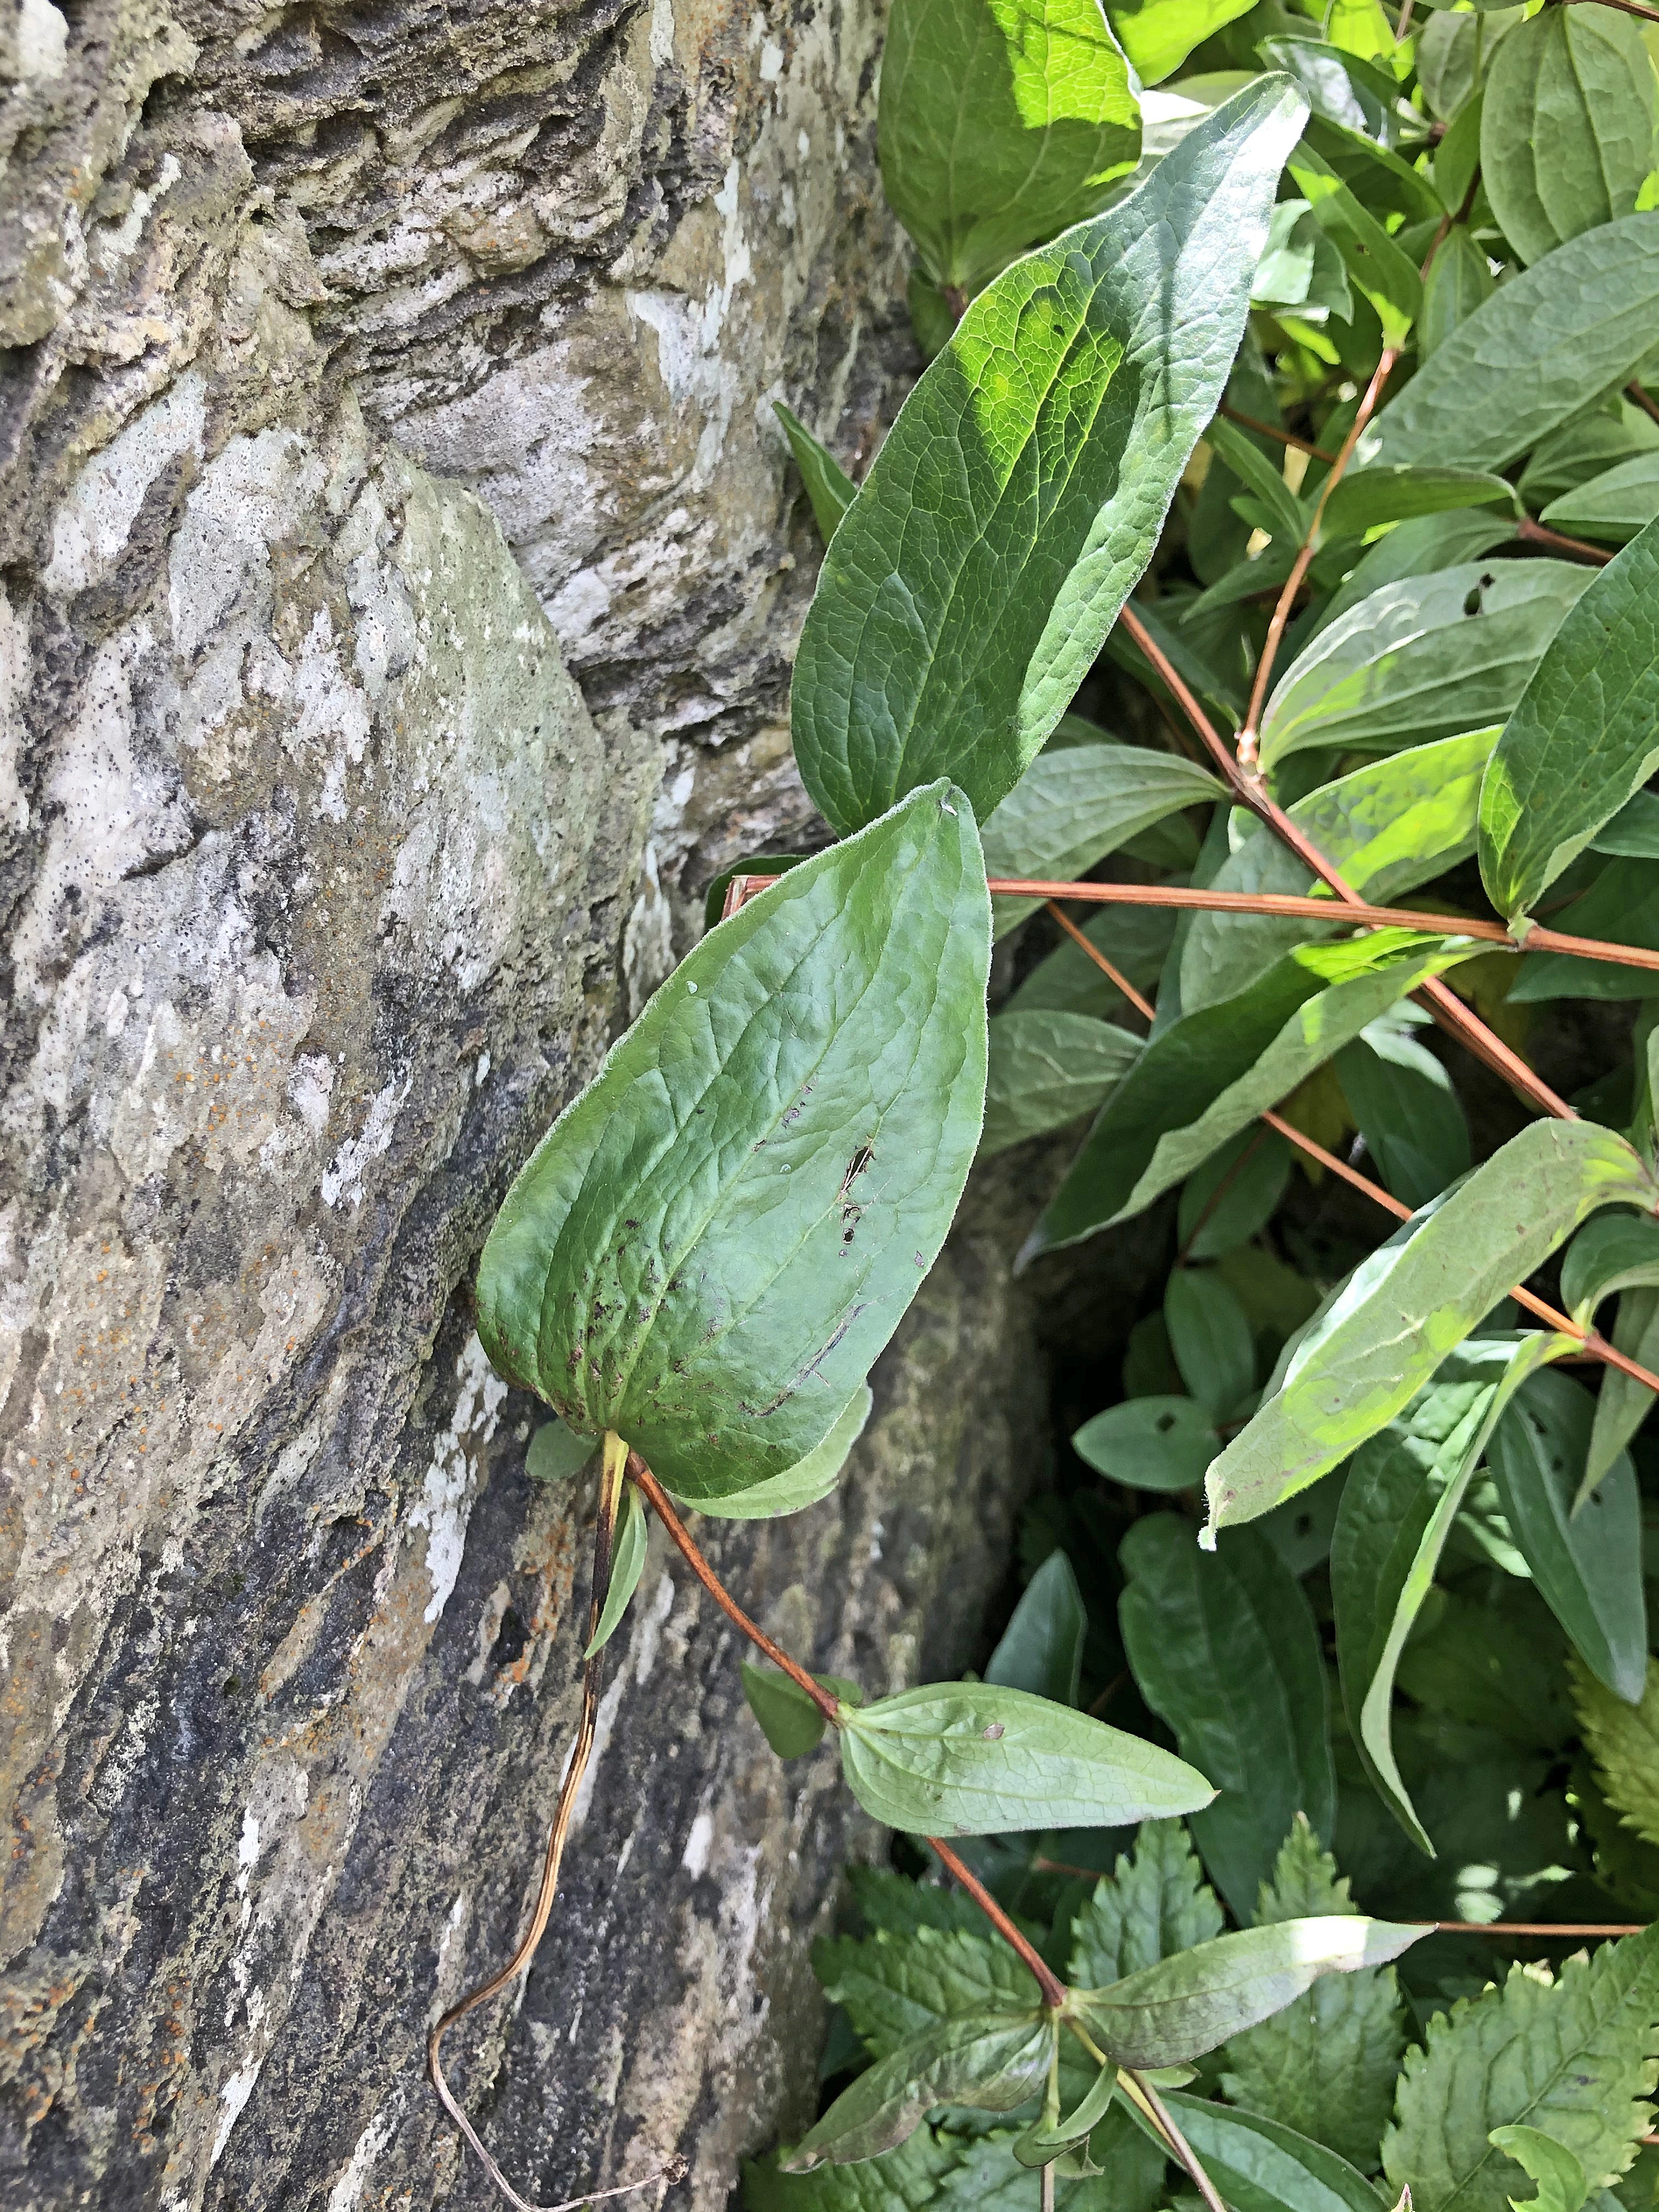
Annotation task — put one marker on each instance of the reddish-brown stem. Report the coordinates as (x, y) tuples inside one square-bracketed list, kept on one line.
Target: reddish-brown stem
[(1052, 1988), (1141, 1006), (1290, 906), (1164, 2119), (1536, 533), (1637, 391), (1571, 1929), (1281, 614), (1594, 1343), (648, 1486), (1252, 791), (1625, 8), (1271, 430)]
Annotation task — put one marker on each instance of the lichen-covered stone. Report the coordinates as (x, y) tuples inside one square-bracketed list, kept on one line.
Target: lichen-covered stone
[(401, 569)]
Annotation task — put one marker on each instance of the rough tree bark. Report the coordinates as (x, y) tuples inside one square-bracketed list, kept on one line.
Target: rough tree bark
[(400, 570)]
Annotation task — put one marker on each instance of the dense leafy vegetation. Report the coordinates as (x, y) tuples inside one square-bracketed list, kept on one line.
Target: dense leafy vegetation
[(1324, 336)]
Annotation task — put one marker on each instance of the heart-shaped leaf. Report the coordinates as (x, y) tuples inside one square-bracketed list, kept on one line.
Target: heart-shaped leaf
[(709, 1247)]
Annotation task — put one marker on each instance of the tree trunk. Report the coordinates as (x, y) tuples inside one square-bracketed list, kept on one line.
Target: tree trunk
[(401, 569)]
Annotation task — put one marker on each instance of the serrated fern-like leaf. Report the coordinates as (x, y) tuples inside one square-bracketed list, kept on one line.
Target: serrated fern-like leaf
[(893, 1986), (1326, 2065), (895, 1902), (1154, 1903), (1574, 2057), (1624, 1741)]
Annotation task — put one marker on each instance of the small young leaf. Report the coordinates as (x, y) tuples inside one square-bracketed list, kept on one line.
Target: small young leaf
[(990, 2060), (1210, 1074), (1422, 659), (556, 1452), (947, 626), (1046, 1069), (1614, 505), (808, 1481), (972, 1760), (1559, 2175), (1399, 1504), (1586, 1560), (1415, 1300), (1041, 1648), (1571, 2057), (828, 486), (1253, 468), (788, 1719), (1574, 325), (1566, 129), (1595, 696), (1189, 2004), (1410, 1118), (1624, 1739), (1209, 1337), (1154, 1903), (999, 125), (627, 1565), (1303, 270), (1262, 2166), (1614, 1252), (1326, 2065), (699, 1254), (1041, 2144), (1389, 827), (1073, 807), (1225, 1649), (1149, 1443)]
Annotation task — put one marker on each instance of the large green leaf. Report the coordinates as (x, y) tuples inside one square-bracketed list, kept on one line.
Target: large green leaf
[(1000, 122), (1388, 827), (1408, 1114), (970, 1758), (1574, 325), (1614, 505), (1149, 1443), (1417, 548), (1020, 495), (1588, 1563), (1211, 1073), (1566, 128), (1074, 806), (1262, 2166), (1365, 499), (710, 1246), (1376, 265), (1046, 1069), (808, 1481), (1041, 1648), (1571, 2057), (1399, 1504), (1225, 1649), (1583, 736), (1326, 2065), (1414, 1301), (1422, 658), (1187, 2005), (991, 2061), (1154, 1903), (1157, 36)]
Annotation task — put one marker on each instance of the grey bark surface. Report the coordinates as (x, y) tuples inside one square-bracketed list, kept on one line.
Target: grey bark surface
[(400, 569)]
